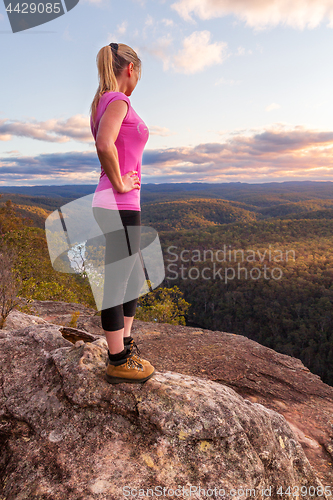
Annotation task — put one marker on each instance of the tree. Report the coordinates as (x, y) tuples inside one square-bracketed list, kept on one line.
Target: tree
[(164, 305), (10, 282)]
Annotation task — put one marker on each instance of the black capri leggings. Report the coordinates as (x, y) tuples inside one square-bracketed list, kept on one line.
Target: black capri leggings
[(117, 247)]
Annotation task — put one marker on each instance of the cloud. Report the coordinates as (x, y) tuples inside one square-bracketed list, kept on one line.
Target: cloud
[(272, 106), (70, 168), (261, 14), (167, 22), (121, 28), (198, 53), (276, 153), (118, 33), (160, 49), (149, 20), (161, 131), (75, 128), (241, 51)]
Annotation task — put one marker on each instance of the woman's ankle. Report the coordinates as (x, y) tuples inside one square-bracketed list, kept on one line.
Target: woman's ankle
[(118, 355), (115, 341)]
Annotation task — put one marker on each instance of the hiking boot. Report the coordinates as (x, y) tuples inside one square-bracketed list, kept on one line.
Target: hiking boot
[(128, 369), (129, 341)]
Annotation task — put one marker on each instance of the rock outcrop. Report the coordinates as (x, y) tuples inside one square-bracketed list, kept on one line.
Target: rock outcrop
[(262, 375), (66, 433)]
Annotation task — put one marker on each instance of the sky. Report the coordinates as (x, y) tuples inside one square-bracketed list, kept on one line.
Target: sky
[(231, 91)]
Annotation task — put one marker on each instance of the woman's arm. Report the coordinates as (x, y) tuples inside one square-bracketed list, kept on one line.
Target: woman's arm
[(107, 134)]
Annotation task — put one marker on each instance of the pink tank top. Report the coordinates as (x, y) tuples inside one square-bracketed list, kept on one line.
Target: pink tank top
[(132, 138)]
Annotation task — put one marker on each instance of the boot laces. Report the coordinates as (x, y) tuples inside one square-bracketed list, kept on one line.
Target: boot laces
[(133, 363), (137, 349)]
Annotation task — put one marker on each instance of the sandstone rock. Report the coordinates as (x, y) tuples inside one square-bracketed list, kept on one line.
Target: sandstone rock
[(66, 433), (277, 381), (17, 319), (262, 375), (60, 313)]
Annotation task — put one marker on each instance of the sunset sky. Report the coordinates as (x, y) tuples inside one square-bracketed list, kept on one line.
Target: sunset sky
[(231, 90)]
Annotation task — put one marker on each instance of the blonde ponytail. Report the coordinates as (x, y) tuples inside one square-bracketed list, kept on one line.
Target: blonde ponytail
[(110, 65)]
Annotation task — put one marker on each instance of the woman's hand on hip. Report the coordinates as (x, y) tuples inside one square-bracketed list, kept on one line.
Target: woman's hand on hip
[(130, 181)]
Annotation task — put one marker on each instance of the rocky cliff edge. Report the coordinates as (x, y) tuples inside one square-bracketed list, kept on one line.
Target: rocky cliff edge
[(66, 433)]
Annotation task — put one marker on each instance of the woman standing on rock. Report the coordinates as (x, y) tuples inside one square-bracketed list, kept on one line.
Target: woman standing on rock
[(120, 137)]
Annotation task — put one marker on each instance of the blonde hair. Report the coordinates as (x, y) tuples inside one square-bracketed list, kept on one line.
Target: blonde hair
[(110, 65)]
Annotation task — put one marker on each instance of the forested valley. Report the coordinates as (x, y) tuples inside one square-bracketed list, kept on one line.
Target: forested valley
[(258, 265)]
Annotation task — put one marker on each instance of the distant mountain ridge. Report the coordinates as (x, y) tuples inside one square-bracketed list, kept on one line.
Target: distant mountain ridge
[(66, 191), (192, 206), (289, 191)]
